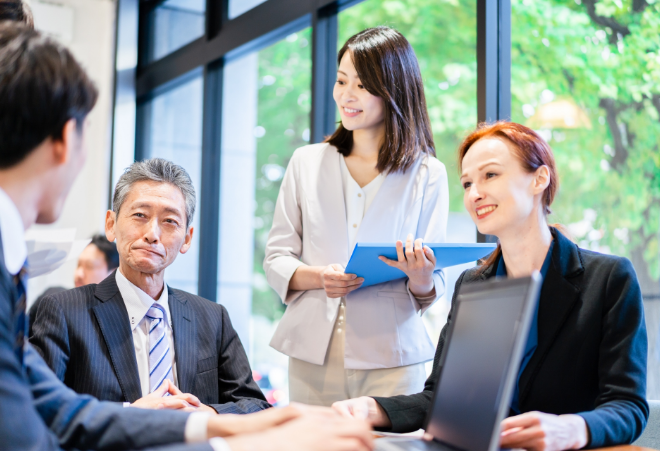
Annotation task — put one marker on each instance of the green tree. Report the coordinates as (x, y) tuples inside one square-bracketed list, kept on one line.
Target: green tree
[(284, 105), (604, 57)]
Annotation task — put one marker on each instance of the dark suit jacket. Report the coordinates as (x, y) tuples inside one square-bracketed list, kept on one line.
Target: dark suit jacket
[(38, 412), (84, 335), (591, 354)]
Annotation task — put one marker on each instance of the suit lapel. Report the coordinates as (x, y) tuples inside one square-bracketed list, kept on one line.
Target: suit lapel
[(185, 341), (557, 300), (112, 317)]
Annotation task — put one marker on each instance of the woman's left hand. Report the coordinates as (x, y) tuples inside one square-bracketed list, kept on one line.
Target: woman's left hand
[(539, 431), (418, 262)]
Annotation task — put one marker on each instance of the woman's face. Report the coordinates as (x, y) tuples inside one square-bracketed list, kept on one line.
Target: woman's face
[(499, 193), (359, 109)]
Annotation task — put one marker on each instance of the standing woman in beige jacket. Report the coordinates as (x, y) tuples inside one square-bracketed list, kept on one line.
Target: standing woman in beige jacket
[(376, 179)]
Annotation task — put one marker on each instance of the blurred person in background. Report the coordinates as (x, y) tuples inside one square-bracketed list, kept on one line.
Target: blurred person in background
[(96, 261)]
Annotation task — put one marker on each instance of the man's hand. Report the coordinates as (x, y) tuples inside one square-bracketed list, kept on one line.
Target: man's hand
[(363, 408), (309, 433), (418, 263), (337, 284), (177, 401), (544, 432)]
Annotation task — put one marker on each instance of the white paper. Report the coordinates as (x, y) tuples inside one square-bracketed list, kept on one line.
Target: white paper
[(49, 249)]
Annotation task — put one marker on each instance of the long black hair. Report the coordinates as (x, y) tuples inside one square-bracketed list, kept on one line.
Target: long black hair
[(388, 68)]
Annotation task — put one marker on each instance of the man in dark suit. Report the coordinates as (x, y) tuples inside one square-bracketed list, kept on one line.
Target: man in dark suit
[(45, 97), (121, 339)]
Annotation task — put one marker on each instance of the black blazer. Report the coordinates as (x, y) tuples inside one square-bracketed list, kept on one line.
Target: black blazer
[(84, 335), (591, 354)]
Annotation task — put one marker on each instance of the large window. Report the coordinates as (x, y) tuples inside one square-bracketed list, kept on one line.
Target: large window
[(267, 102), (585, 79)]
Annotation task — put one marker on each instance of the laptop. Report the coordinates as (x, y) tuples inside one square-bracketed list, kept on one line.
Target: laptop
[(479, 367)]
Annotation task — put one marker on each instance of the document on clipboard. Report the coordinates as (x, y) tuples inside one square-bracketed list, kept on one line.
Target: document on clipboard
[(365, 263)]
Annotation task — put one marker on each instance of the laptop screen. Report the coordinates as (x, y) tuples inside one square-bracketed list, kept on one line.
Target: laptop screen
[(476, 372)]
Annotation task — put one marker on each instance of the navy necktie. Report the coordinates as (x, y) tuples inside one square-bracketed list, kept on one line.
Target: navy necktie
[(20, 316)]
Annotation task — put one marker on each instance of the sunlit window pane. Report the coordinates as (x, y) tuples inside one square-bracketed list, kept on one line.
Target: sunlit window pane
[(174, 24), (587, 89), (238, 7), (173, 130), (266, 107)]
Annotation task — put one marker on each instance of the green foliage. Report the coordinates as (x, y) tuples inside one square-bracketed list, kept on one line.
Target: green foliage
[(609, 173), (284, 105)]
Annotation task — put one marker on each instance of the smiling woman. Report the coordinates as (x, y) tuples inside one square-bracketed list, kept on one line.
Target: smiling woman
[(582, 379), (376, 179), (495, 147)]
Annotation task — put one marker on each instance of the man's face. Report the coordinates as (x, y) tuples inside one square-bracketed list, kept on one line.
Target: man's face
[(69, 154), (92, 266), (150, 229)]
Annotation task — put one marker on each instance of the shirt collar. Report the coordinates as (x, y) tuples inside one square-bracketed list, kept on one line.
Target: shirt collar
[(138, 302), (13, 233), (501, 266)]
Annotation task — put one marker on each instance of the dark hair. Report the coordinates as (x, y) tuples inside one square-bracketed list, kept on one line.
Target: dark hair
[(388, 68), (42, 86), (531, 150), (16, 11), (109, 249)]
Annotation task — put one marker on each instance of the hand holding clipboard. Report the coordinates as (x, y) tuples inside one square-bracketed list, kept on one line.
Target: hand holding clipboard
[(365, 262)]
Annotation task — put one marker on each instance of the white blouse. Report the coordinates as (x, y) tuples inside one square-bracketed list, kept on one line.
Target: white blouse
[(357, 200)]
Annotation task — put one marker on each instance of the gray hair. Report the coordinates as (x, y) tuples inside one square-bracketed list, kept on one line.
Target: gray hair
[(155, 170)]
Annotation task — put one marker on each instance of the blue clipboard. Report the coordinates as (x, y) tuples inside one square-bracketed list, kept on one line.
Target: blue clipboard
[(365, 263)]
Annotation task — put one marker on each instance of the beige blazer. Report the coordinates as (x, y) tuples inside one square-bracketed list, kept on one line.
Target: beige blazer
[(384, 328)]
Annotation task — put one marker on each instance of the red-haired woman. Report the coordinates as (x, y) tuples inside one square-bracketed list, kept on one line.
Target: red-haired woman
[(582, 380), (376, 179)]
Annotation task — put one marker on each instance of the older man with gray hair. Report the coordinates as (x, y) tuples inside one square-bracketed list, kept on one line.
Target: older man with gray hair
[(133, 339)]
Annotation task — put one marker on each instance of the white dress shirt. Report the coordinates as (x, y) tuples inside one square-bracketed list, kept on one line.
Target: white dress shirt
[(13, 231), (138, 304)]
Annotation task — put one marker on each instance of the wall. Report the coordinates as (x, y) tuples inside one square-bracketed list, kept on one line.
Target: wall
[(87, 28)]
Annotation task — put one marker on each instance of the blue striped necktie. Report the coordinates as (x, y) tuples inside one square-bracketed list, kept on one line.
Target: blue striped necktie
[(160, 359), (20, 316)]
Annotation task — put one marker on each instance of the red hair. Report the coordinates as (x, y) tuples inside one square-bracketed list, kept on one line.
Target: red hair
[(531, 150)]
